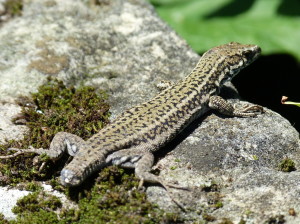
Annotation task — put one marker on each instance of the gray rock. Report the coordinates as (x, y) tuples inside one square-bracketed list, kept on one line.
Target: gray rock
[(240, 157), (8, 130), (230, 164), (9, 198), (120, 46)]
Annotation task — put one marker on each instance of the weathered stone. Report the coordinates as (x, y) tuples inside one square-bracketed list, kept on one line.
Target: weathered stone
[(230, 164)]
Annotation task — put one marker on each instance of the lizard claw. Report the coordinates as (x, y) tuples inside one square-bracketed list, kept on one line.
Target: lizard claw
[(177, 187), (167, 186)]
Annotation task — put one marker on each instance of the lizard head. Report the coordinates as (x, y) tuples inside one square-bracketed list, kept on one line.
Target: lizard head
[(231, 58), (245, 52), (237, 56)]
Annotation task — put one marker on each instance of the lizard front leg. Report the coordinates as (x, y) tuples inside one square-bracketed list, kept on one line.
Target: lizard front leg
[(164, 84), (224, 107)]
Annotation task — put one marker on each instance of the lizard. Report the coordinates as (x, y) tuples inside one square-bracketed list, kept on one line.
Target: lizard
[(131, 139)]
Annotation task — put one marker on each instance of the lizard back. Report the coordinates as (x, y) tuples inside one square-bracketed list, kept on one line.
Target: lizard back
[(152, 124)]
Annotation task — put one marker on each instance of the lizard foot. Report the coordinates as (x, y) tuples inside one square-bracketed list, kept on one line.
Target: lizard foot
[(253, 108), (250, 111), (167, 187)]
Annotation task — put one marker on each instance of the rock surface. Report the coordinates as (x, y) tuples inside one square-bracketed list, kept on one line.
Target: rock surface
[(235, 162), (230, 164)]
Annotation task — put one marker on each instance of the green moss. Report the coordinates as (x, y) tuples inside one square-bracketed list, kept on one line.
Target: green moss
[(218, 204), (37, 218), (242, 221), (287, 165), (37, 207), (82, 112), (13, 7), (2, 220), (54, 108), (113, 198), (208, 218), (226, 221), (214, 199), (279, 219), (36, 202), (30, 186)]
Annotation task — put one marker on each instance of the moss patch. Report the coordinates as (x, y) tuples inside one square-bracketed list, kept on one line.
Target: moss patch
[(36, 202), (279, 219), (226, 221), (54, 108), (287, 165), (37, 207), (13, 7), (214, 201), (2, 220), (114, 198), (110, 197)]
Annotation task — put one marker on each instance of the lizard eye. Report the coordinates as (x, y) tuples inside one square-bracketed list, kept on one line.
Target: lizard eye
[(252, 53), (249, 54)]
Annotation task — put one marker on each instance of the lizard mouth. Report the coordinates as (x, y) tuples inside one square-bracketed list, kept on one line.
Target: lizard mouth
[(68, 178)]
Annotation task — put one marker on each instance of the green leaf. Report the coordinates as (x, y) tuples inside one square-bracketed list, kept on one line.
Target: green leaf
[(292, 103), (274, 25)]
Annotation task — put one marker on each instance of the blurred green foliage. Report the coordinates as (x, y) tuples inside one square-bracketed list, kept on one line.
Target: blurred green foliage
[(274, 25)]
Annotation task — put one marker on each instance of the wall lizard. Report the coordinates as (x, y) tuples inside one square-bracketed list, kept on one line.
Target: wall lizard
[(131, 139)]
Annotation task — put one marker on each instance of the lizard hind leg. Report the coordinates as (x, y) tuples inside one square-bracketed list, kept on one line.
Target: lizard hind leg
[(126, 158), (142, 171), (142, 161)]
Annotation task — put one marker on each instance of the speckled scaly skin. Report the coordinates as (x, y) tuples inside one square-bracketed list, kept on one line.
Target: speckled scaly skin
[(131, 138)]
